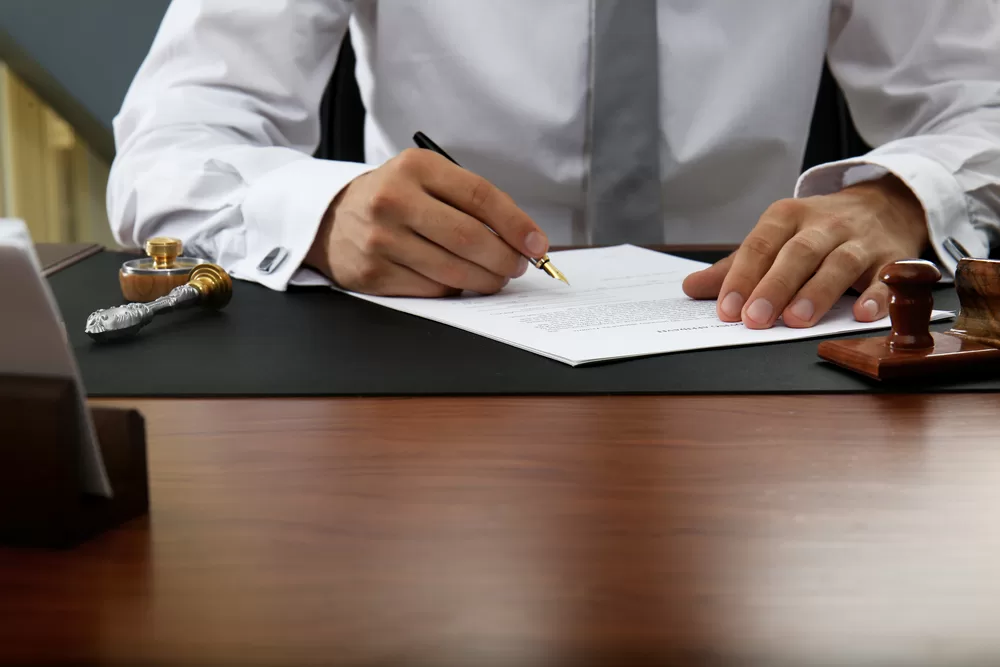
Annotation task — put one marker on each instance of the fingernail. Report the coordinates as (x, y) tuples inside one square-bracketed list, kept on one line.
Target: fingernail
[(732, 305), (536, 244), (522, 267), (871, 308), (760, 311), (803, 309)]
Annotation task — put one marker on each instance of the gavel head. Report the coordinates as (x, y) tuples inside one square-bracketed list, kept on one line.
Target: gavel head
[(910, 302)]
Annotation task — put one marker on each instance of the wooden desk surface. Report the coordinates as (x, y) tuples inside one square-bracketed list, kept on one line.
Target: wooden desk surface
[(766, 530)]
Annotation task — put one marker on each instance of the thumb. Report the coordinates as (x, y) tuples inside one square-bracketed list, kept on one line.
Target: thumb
[(705, 284), (873, 304)]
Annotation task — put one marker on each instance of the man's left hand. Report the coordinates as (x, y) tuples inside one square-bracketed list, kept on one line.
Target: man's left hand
[(804, 254)]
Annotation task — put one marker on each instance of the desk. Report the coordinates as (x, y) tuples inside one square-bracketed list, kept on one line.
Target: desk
[(767, 530)]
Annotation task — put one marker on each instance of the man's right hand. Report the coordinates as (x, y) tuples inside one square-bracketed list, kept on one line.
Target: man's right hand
[(415, 227)]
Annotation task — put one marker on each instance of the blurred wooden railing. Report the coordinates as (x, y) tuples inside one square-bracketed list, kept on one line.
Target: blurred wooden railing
[(49, 176)]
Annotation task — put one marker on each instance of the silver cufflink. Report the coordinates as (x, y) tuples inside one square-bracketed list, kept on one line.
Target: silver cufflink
[(273, 260)]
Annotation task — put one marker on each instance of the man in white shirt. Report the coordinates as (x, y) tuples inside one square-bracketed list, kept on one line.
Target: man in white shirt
[(216, 135)]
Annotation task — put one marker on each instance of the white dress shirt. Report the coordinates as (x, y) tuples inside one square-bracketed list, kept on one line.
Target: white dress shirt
[(216, 133)]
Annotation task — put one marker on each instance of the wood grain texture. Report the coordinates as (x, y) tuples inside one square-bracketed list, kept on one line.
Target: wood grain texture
[(781, 530), (978, 284), (146, 287), (42, 500), (910, 302), (948, 355)]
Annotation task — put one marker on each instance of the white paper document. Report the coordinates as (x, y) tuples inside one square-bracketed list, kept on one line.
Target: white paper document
[(33, 340), (622, 302)]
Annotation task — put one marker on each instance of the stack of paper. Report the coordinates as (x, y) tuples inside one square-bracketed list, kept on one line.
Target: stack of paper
[(622, 302)]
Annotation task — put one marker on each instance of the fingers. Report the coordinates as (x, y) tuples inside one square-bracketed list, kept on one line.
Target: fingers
[(753, 260), (838, 272), (796, 262), (381, 277), (465, 237), (457, 211), (477, 197), (803, 255), (386, 228), (443, 267), (705, 284), (873, 304), (382, 245)]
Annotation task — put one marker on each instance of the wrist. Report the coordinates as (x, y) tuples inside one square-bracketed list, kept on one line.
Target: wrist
[(318, 256), (891, 189), (896, 204)]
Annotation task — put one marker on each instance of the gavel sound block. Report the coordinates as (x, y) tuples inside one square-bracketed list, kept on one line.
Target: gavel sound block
[(911, 349)]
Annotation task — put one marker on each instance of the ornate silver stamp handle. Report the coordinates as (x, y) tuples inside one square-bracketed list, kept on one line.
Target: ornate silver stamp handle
[(209, 286)]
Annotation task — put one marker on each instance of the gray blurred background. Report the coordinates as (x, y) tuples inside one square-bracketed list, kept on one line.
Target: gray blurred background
[(79, 55)]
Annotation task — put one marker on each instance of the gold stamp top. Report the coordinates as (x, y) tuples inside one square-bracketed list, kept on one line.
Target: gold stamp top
[(164, 250)]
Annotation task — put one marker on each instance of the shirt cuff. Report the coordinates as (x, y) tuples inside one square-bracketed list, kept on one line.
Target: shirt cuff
[(282, 212), (934, 186)]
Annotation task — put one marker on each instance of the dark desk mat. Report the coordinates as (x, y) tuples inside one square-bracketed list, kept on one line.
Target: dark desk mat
[(317, 342)]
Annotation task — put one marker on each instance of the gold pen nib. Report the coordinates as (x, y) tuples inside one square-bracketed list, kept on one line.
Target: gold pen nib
[(545, 264)]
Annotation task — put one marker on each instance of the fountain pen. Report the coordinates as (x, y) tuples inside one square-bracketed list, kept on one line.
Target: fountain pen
[(543, 263)]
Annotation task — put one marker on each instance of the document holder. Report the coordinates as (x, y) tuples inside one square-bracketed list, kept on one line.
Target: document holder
[(42, 501)]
